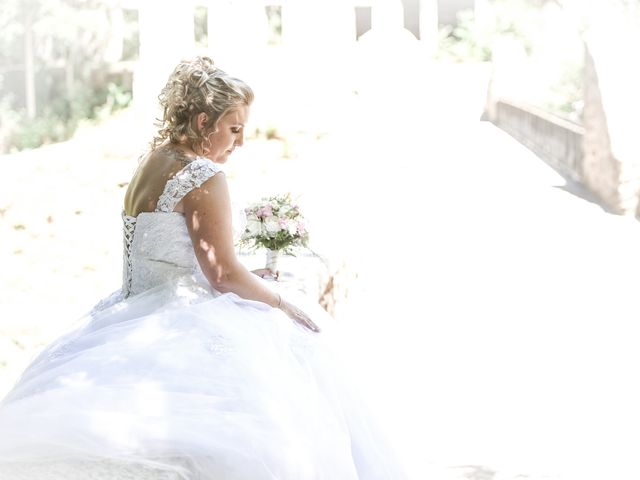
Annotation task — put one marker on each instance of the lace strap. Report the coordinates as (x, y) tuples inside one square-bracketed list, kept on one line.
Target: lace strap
[(128, 228), (190, 177)]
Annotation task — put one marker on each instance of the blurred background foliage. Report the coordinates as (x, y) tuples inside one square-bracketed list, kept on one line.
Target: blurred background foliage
[(472, 39), (60, 65), (55, 51), (523, 24)]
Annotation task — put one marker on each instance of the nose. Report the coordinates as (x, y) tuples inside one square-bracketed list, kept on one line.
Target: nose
[(239, 139)]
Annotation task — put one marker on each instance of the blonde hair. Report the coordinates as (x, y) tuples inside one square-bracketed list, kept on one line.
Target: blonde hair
[(197, 86)]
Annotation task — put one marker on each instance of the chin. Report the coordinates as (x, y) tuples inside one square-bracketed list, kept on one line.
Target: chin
[(223, 158)]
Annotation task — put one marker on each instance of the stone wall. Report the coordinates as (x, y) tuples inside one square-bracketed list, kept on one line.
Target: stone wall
[(604, 153), (556, 140)]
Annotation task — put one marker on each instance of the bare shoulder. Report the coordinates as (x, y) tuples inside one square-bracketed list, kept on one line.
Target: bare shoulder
[(207, 211), (213, 193)]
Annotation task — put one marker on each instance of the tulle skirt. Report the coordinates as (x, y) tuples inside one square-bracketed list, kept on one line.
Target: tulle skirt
[(182, 382)]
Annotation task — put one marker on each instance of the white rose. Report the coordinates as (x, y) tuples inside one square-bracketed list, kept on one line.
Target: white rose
[(272, 224), (292, 228), (254, 227)]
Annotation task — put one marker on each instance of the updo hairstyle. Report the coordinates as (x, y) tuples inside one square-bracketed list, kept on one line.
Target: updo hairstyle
[(197, 86)]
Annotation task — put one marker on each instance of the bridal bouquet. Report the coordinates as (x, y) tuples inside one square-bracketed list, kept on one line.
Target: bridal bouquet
[(276, 224)]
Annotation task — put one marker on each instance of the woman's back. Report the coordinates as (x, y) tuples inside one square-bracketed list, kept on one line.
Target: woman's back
[(157, 243), (150, 179)]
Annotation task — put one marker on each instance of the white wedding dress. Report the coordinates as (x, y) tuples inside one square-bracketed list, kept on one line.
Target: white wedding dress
[(169, 379)]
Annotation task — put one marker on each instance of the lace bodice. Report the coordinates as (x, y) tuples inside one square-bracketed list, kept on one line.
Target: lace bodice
[(190, 177), (157, 245)]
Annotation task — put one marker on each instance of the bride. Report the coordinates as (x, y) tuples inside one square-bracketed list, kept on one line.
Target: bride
[(196, 368)]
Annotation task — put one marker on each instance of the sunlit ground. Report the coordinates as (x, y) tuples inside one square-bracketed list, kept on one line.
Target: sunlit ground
[(493, 308)]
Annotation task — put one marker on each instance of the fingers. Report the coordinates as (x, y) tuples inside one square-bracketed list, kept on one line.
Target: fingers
[(300, 317), (313, 327), (305, 321), (266, 273)]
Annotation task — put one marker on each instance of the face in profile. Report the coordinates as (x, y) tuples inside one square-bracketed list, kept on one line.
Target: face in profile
[(228, 135)]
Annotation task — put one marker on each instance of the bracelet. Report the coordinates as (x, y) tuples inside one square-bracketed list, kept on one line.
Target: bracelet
[(279, 300)]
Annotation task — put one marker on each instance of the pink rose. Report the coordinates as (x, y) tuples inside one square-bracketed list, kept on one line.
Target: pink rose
[(265, 212)]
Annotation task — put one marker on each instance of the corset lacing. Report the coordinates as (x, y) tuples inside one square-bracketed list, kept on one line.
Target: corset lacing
[(128, 228)]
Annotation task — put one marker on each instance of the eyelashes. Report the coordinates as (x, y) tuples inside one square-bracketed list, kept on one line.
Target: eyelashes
[(236, 130)]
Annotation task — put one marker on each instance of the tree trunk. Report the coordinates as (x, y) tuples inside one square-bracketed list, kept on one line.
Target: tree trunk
[(69, 77), (29, 69)]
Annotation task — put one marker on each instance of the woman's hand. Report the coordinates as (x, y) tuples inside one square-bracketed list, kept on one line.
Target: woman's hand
[(291, 310), (266, 273), (298, 316)]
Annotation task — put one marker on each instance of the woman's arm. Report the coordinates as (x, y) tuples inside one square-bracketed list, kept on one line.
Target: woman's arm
[(207, 212)]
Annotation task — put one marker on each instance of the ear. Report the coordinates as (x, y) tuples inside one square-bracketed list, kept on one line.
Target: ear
[(201, 121)]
